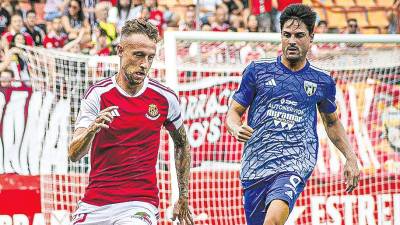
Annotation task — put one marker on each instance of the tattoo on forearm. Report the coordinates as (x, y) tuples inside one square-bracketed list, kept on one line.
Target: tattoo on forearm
[(336, 133), (182, 159)]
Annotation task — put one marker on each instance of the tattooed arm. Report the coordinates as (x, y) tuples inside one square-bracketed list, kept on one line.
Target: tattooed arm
[(337, 135), (182, 164)]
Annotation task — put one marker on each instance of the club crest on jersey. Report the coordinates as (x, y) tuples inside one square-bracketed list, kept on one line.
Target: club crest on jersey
[(310, 87), (152, 112)]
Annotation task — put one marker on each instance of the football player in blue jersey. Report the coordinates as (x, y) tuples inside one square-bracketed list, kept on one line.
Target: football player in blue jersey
[(281, 141)]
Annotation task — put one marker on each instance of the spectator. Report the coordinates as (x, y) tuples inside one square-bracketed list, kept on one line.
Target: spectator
[(34, 31), (322, 48), (6, 76), (14, 57), (173, 22), (265, 14), (125, 10), (17, 8), (5, 19), (55, 38), (236, 23), (352, 27), (54, 9), (12, 7), (101, 10), (101, 48), (188, 23), (322, 27), (156, 16), (74, 20), (281, 5), (15, 27), (235, 7), (8, 58), (221, 17), (89, 10), (74, 46), (206, 27), (207, 8), (251, 52), (252, 24), (6, 4)]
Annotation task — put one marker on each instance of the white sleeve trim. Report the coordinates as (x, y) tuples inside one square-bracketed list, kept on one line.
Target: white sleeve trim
[(174, 111), (90, 108)]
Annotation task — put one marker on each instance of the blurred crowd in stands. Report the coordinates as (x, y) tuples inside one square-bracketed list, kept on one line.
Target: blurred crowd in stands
[(93, 26)]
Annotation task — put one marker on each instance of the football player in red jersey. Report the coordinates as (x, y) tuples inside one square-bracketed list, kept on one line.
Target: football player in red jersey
[(120, 119)]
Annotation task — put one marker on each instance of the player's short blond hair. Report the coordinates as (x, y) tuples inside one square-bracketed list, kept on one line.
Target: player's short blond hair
[(140, 26)]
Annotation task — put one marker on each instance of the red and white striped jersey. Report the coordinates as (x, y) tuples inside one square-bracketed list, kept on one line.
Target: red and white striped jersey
[(123, 158)]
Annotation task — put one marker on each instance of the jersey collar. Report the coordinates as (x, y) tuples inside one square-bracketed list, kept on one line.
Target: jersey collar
[(279, 60), (124, 93)]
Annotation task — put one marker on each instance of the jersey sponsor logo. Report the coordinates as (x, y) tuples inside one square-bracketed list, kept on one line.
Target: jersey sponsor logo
[(115, 112), (271, 82), (310, 87), (152, 112), (285, 114), (288, 102)]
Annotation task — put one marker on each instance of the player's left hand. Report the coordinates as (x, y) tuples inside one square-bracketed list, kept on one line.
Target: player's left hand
[(352, 174), (182, 212)]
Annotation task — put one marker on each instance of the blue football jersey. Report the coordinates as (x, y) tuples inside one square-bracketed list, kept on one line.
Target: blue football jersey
[(283, 113)]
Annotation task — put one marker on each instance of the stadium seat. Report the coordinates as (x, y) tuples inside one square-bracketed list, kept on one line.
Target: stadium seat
[(384, 3), (168, 2), (320, 12), (327, 3), (366, 3), (345, 3), (186, 2), (360, 14), (370, 30), (308, 2), (378, 17), (336, 17)]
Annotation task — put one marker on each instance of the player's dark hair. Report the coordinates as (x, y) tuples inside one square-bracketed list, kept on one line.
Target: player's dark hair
[(352, 20), (21, 62), (30, 11), (140, 26), (299, 12), (322, 22), (81, 16)]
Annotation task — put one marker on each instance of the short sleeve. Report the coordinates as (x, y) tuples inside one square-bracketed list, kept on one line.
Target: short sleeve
[(174, 119), (89, 109), (247, 89), (328, 104)]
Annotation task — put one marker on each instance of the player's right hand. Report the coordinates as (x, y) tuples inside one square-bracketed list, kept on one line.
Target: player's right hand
[(103, 119), (243, 133)]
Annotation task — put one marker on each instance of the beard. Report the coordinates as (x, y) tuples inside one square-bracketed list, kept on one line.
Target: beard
[(294, 56), (133, 77)]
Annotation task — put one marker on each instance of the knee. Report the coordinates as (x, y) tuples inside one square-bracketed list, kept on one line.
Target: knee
[(272, 221)]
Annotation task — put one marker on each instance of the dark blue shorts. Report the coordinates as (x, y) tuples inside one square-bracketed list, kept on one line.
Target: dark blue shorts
[(258, 194)]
